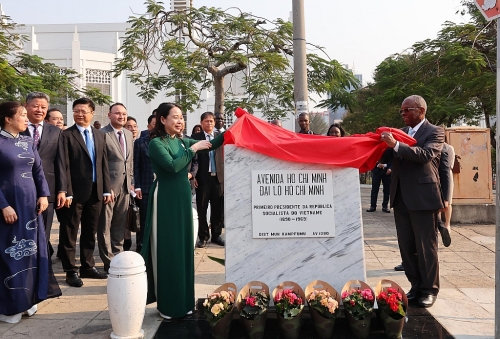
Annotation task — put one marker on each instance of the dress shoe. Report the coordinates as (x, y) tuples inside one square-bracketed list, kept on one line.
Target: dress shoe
[(219, 241), (127, 243), (93, 273), (201, 244), (399, 268), (445, 234), (412, 295), (73, 279), (427, 300), (371, 209), (386, 210)]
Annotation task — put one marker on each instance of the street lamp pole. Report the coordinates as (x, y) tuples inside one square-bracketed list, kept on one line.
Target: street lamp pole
[(300, 91)]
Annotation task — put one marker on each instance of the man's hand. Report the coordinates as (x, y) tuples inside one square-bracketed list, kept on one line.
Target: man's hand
[(9, 215), (189, 176), (139, 194), (61, 199), (68, 202), (195, 183), (108, 199), (388, 139), (388, 172)]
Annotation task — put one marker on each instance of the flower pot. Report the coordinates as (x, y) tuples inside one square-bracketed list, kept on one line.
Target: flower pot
[(290, 328), (360, 328), (393, 328), (255, 328), (222, 328), (323, 326)]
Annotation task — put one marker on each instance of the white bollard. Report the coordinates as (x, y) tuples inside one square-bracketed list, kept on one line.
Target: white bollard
[(127, 293), (195, 225)]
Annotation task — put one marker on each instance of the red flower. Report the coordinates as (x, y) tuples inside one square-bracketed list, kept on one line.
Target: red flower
[(250, 301)]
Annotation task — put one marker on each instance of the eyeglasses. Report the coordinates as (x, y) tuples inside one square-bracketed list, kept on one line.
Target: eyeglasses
[(406, 110), (82, 112)]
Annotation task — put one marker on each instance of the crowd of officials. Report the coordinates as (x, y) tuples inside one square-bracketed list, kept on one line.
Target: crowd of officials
[(89, 176)]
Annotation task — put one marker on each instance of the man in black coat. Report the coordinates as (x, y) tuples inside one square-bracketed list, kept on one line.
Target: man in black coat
[(416, 199), (48, 141), (209, 185), (381, 174), (86, 158)]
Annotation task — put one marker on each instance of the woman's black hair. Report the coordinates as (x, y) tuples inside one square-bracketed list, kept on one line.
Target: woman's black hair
[(342, 132), (162, 111), (7, 110), (196, 126)]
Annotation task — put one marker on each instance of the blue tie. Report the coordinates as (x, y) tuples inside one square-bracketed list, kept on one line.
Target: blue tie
[(212, 157), (90, 147)]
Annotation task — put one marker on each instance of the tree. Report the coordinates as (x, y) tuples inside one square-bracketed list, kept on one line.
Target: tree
[(186, 52), (455, 73), (21, 73)]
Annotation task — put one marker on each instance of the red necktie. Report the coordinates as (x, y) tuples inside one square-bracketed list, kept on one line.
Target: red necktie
[(36, 135)]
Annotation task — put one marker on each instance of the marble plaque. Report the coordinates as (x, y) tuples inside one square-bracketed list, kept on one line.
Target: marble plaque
[(302, 260), (292, 204)]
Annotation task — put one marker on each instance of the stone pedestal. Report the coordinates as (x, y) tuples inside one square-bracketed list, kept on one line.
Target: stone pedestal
[(334, 260)]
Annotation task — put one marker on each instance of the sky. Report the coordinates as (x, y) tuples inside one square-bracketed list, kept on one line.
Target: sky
[(360, 33)]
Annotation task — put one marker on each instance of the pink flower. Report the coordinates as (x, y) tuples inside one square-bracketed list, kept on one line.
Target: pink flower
[(250, 301)]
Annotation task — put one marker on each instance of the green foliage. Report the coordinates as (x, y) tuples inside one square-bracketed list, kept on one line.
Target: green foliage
[(22, 73), (455, 73), (186, 52)]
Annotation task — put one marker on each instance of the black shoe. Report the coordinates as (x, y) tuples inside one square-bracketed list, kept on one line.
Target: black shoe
[(399, 268), (219, 241), (73, 279), (371, 209), (427, 300), (127, 243), (93, 273), (138, 248), (445, 234), (201, 244), (386, 210), (412, 295)]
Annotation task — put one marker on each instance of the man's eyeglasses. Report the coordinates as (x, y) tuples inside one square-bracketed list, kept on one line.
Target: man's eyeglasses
[(407, 110), (82, 112)]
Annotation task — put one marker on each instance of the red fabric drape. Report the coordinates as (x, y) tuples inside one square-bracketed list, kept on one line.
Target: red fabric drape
[(360, 151)]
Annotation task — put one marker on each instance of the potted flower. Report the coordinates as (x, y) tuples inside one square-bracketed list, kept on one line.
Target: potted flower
[(219, 310), (358, 299), (252, 303), (323, 302), (392, 305), (289, 300)]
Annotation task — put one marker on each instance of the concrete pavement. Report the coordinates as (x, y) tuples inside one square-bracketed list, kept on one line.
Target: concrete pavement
[(465, 305)]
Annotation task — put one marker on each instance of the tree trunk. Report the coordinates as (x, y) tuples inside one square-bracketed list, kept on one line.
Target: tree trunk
[(219, 94), (492, 130)]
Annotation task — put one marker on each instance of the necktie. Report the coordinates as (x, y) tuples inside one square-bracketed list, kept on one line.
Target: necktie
[(36, 134), (90, 147), (212, 157), (122, 143), (411, 132)]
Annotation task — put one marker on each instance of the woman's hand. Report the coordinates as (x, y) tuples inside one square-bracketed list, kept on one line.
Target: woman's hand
[(9, 215), (42, 204), (201, 145)]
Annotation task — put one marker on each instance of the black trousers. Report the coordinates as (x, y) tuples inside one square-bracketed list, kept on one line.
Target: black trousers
[(418, 245), (88, 214), (143, 213), (48, 218), (206, 192), (377, 178)]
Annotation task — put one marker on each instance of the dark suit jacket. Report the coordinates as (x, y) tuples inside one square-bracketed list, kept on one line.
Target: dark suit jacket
[(415, 169), (50, 149), (445, 172), (204, 159), (143, 171), (80, 165), (387, 156)]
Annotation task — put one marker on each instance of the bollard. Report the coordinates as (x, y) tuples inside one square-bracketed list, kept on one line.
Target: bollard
[(195, 225), (127, 293)]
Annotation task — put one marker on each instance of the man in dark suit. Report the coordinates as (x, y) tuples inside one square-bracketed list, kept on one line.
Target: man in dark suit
[(120, 156), (151, 125), (381, 174), (49, 144), (209, 185), (86, 158), (143, 180), (416, 199)]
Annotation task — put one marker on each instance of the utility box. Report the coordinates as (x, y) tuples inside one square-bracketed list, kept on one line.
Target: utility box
[(473, 185)]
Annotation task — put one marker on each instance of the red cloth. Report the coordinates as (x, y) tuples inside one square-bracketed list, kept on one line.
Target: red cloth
[(360, 151)]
